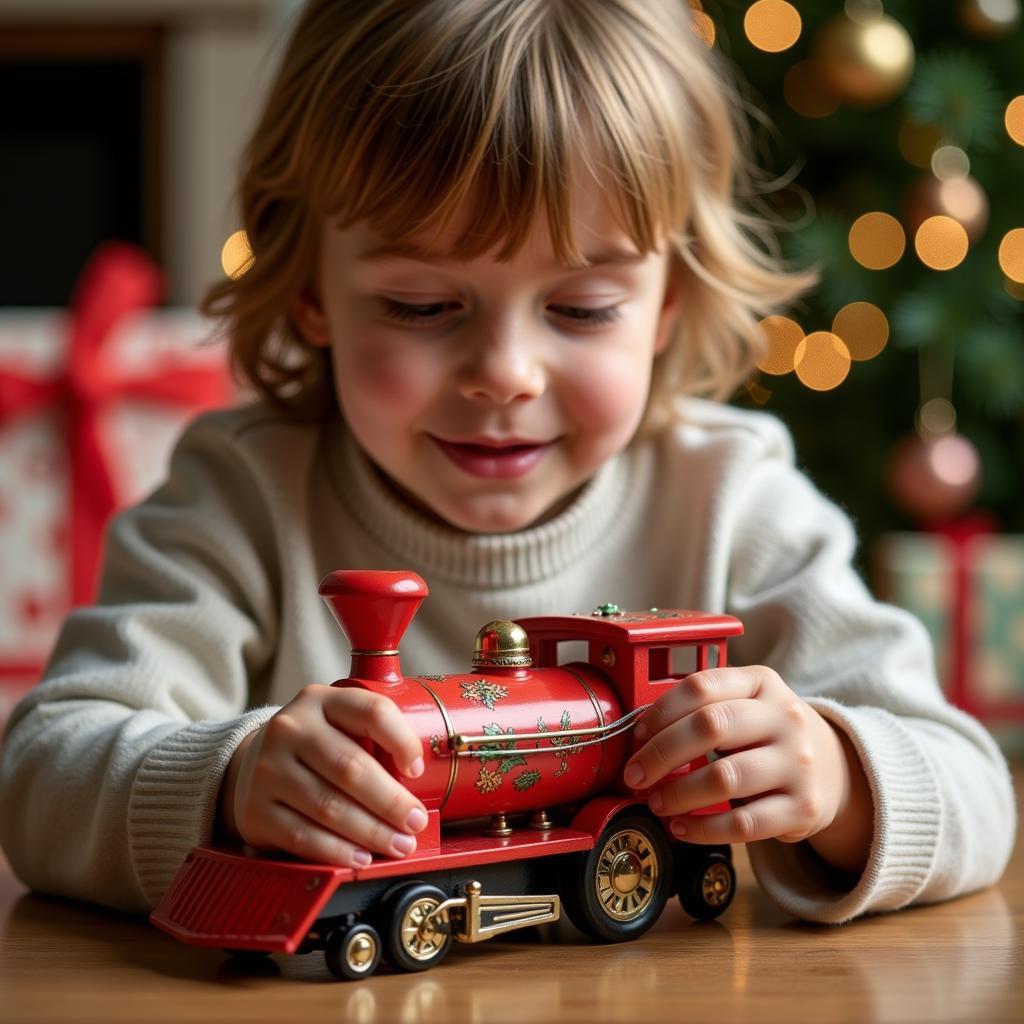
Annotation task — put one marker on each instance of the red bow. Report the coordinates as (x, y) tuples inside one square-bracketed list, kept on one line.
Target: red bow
[(118, 280)]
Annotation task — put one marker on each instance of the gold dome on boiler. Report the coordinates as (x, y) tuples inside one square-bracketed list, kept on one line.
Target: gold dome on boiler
[(502, 644)]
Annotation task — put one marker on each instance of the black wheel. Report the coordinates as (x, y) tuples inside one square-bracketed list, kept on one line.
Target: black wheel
[(706, 882), (414, 940), (622, 884), (353, 951)]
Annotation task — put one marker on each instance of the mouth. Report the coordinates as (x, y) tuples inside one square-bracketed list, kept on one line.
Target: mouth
[(490, 460)]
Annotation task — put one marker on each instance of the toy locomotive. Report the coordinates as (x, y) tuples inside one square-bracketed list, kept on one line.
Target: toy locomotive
[(523, 787)]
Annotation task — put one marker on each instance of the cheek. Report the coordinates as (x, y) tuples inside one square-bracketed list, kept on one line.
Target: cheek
[(380, 376), (611, 395)]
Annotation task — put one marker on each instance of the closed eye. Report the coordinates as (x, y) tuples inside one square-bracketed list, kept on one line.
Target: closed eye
[(424, 313)]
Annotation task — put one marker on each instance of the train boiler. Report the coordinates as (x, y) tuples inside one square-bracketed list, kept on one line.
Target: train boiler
[(528, 813)]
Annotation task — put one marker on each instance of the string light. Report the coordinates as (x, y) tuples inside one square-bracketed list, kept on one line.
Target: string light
[(236, 255), (949, 163), (772, 25), (704, 27), (877, 241), (937, 416), (822, 361), (1014, 119), (864, 329), (941, 243), (1011, 255), (784, 335)]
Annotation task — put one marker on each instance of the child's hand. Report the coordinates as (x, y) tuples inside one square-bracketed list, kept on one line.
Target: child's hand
[(790, 774), (302, 784)]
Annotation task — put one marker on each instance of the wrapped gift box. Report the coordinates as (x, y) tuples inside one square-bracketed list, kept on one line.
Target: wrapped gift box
[(967, 587), (92, 401)]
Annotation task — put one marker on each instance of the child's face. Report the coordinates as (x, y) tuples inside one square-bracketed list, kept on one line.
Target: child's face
[(489, 392)]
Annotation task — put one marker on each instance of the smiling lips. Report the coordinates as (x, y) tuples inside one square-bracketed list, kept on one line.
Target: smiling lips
[(494, 461)]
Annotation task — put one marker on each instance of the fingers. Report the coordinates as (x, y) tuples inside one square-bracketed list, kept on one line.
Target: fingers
[(337, 812), (342, 766), (286, 829), (362, 713), (308, 786), (720, 725), (701, 688), (767, 818), (735, 777)]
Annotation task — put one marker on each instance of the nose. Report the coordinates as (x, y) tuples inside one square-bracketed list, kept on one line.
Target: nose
[(502, 368)]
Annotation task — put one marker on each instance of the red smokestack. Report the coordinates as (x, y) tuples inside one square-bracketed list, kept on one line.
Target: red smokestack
[(374, 609)]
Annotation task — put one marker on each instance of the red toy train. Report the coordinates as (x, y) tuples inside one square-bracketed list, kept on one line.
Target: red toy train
[(523, 787)]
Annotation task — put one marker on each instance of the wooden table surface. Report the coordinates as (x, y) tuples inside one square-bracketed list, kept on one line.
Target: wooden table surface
[(962, 960)]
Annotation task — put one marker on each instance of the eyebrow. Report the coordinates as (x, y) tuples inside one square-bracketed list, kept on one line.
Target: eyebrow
[(408, 251)]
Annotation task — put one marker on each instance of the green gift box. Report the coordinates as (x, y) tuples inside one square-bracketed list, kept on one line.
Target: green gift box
[(967, 588)]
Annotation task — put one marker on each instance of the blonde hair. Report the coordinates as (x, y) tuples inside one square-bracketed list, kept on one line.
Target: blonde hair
[(398, 111)]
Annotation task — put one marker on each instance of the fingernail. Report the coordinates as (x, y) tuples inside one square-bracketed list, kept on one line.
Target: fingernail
[(633, 775), (678, 829), (417, 820), (416, 768), (640, 732), (402, 843), (362, 858), (656, 801)]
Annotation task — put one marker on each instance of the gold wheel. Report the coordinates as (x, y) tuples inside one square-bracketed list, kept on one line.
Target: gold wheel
[(353, 952), (627, 875), (421, 937), (716, 885), (416, 938)]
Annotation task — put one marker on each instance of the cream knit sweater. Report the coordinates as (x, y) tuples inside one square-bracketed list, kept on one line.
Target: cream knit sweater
[(209, 619)]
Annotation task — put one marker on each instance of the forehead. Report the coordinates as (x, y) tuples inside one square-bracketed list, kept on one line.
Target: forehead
[(594, 218)]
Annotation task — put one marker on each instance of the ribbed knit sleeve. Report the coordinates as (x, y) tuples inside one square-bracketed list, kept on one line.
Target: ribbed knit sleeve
[(111, 767), (944, 814)]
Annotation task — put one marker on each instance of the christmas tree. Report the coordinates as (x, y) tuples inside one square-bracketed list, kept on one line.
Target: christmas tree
[(899, 133)]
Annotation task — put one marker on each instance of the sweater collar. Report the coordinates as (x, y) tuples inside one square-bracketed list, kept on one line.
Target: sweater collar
[(488, 560)]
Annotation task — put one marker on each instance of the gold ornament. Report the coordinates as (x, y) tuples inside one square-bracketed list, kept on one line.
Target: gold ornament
[(963, 199), (989, 19), (502, 644), (866, 62), (934, 479)]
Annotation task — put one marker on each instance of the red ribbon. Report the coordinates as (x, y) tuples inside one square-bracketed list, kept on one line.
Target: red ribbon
[(960, 537), (118, 280)]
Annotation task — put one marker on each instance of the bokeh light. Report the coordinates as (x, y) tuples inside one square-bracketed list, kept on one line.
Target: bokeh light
[(1011, 255), (863, 328), (822, 361), (989, 19), (941, 243), (704, 27), (784, 335), (236, 255), (936, 416), (807, 91), (1014, 119), (772, 25), (877, 241), (949, 163)]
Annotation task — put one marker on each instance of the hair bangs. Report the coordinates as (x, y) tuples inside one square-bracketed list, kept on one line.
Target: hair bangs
[(492, 127)]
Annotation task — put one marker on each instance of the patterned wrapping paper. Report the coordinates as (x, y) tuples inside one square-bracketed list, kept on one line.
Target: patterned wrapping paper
[(969, 593), (136, 433)]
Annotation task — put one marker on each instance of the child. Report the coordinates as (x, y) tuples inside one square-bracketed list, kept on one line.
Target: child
[(499, 271)]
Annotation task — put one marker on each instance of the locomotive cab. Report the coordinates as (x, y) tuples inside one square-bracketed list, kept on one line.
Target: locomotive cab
[(527, 809)]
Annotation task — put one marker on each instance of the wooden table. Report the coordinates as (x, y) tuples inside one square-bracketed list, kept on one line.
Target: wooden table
[(958, 961)]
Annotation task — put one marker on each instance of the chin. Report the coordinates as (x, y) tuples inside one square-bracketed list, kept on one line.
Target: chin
[(491, 516)]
